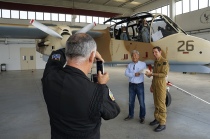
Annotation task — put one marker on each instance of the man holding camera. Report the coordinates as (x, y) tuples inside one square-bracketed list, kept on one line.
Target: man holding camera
[(75, 104)]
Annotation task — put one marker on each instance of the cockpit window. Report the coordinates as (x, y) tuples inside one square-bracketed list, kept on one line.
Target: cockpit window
[(175, 25), (160, 28), (143, 27)]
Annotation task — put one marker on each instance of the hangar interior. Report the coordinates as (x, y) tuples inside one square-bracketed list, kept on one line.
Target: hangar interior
[(22, 107), (10, 47)]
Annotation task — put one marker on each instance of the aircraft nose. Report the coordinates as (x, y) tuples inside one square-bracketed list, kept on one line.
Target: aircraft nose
[(206, 50)]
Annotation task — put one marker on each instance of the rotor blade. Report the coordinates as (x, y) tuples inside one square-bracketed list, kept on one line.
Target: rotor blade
[(170, 84), (86, 28), (45, 28)]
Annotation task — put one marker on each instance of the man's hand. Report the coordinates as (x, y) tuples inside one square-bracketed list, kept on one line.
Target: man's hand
[(98, 56), (148, 74), (103, 78), (137, 74)]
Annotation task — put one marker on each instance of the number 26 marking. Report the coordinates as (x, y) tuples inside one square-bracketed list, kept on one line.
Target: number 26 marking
[(189, 47)]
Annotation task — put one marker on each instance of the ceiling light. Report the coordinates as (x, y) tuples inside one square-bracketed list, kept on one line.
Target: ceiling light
[(121, 0), (135, 3)]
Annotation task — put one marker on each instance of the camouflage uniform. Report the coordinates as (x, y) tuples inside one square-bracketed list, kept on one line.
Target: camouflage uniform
[(160, 71)]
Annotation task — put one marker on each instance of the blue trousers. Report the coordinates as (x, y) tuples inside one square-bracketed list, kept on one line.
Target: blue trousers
[(136, 89)]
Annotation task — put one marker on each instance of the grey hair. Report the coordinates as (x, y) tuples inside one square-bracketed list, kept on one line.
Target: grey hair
[(79, 46), (134, 51)]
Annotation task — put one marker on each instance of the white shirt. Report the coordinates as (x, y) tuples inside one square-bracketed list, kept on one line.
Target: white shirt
[(134, 68)]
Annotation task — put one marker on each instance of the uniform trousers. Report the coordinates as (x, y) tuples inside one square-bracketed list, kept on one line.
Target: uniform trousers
[(159, 95)]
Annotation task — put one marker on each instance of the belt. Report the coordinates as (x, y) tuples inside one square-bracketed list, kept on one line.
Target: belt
[(135, 83)]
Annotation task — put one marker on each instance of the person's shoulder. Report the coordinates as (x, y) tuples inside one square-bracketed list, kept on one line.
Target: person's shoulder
[(163, 59), (104, 87), (93, 86), (142, 62), (129, 64)]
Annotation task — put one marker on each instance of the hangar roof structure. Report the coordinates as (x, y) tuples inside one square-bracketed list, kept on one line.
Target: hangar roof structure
[(103, 8)]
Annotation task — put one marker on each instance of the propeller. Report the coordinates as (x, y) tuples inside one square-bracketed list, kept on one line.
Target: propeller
[(54, 33), (45, 28), (86, 28)]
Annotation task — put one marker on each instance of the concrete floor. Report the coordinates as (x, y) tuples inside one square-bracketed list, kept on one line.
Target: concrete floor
[(23, 113)]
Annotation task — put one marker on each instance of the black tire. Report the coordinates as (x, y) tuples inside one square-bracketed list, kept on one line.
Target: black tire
[(168, 98)]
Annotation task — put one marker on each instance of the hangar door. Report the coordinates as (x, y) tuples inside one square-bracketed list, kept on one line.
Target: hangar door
[(28, 58)]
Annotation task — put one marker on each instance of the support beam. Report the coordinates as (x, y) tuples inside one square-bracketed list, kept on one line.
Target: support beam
[(107, 2), (123, 4), (73, 17), (172, 9), (143, 4)]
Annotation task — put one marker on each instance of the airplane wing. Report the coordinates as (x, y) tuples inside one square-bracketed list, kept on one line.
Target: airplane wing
[(30, 32), (21, 32)]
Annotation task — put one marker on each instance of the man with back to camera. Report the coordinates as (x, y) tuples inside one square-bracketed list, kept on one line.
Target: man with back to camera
[(75, 104), (158, 88), (136, 86)]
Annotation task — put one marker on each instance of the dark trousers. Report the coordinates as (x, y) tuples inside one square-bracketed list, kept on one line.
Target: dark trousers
[(136, 89)]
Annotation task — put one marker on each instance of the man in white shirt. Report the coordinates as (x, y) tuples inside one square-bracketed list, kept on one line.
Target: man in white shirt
[(136, 86)]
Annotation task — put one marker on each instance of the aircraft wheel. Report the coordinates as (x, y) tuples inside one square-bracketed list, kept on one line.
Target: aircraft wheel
[(168, 98)]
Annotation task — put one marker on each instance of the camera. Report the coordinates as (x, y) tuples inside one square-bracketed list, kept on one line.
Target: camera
[(99, 67)]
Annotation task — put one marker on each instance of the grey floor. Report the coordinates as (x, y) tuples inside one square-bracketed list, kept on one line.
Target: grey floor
[(23, 113)]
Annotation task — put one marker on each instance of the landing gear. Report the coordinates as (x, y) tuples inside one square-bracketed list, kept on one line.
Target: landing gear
[(168, 97)]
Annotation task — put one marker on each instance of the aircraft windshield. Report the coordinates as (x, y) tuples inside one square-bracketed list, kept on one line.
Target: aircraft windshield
[(143, 27), (174, 24), (160, 28)]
